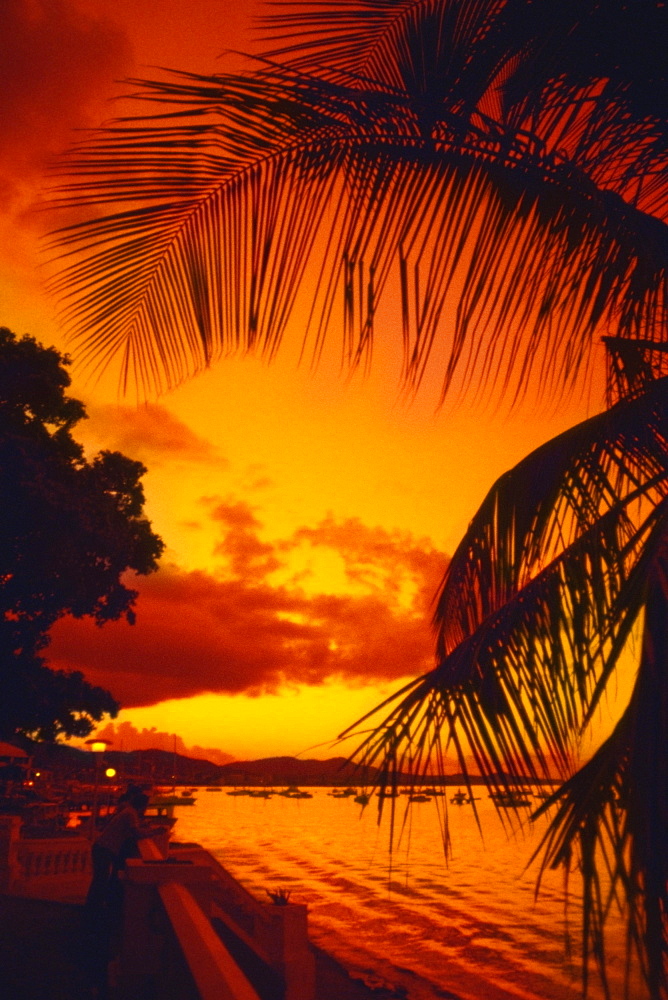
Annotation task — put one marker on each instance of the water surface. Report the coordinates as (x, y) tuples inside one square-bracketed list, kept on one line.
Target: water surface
[(470, 929)]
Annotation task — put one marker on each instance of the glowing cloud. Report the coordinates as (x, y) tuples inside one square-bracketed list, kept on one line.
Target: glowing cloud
[(258, 623), (124, 736), (151, 434)]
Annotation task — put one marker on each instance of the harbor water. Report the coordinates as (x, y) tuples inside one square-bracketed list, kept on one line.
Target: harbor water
[(467, 928)]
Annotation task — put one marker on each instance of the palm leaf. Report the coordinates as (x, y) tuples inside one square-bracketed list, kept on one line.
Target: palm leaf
[(593, 69), (566, 553), (222, 203), (611, 819), (539, 599)]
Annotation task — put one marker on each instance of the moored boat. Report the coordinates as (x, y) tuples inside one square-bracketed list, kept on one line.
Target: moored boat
[(511, 799), (171, 799), (345, 794)]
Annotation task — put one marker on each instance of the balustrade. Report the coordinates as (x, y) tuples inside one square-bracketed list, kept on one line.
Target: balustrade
[(30, 863), (51, 856), (190, 888)]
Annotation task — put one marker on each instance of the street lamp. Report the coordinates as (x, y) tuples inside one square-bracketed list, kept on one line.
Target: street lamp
[(98, 747)]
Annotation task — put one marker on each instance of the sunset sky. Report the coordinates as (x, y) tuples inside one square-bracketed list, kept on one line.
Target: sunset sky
[(307, 514)]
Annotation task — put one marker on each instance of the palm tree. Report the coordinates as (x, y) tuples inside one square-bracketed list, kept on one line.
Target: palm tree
[(566, 555), (502, 163)]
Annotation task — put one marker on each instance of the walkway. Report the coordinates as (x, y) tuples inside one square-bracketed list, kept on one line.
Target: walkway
[(41, 957)]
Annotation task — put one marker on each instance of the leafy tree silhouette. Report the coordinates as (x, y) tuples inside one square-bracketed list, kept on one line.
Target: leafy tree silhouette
[(69, 528)]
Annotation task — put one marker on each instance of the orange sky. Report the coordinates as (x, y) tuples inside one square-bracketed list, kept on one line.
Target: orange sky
[(307, 515)]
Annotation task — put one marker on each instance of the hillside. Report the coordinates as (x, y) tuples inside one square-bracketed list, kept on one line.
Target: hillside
[(161, 767)]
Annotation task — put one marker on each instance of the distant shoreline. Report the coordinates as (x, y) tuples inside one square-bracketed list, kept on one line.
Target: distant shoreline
[(160, 767)]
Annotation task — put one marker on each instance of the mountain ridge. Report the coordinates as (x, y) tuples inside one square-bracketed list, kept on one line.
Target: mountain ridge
[(162, 767)]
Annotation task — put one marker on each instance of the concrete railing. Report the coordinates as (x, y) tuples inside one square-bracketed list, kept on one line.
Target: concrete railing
[(33, 862), (216, 974), (168, 944), (43, 857), (189, 927), (219, 928), (276, 934)]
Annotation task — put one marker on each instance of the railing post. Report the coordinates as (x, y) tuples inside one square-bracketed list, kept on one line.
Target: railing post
[(10, 830), (142, 935), (284, 936), (145, 959)]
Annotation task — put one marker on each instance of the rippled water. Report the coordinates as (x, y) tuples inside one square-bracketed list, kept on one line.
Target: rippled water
[(469, 929)]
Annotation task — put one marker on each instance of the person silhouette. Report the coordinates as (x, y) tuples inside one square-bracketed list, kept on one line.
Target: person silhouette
[(113, 846)]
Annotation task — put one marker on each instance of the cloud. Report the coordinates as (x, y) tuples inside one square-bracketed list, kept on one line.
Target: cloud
[(124, 736), (378, 559), (150, 433), (254, 626), (249, 557)]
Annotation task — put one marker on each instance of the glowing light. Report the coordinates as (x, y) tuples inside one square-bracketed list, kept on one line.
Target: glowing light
[(110, 772)]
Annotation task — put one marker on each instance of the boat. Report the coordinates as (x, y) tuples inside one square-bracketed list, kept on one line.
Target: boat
[(212, 789), (362, 799), (345, 794), (511, 799), (184, 799), (294, 793), (419, 798), (460, 798), (291, 792), (165, 803)]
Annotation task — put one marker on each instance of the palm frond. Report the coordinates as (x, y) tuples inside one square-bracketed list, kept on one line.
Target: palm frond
[(539, 600), (633, 363), (588, 69), (611, 818), (221, 204), (425, 48)]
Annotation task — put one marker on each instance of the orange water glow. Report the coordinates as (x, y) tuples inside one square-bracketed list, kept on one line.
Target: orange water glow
[(410, 922)]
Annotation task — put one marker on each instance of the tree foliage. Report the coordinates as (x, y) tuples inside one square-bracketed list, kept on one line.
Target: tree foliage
[(69, 528)]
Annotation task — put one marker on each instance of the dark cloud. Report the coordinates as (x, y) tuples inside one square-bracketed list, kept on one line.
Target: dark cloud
[(57, 65), (124, 736), (235, 631), (150, 433), (249, 558)]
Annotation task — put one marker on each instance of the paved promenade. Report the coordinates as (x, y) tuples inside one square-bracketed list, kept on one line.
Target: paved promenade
[(42, 957), (40, 951)]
